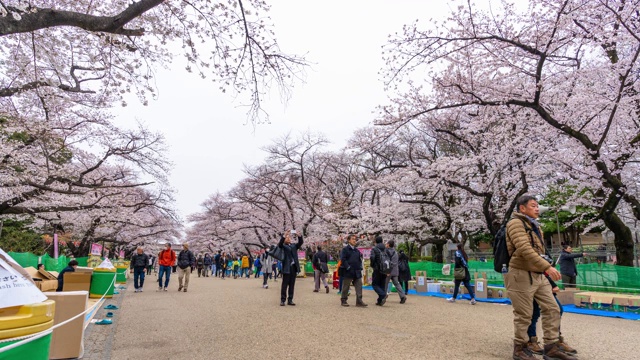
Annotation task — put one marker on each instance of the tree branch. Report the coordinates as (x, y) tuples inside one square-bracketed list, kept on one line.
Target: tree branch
[(41, 18)]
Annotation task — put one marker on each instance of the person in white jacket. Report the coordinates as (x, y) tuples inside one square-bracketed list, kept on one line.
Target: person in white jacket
[(267, 265)]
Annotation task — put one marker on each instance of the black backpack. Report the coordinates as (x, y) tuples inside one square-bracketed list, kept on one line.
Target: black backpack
[(383, 261), (500, 252), (402, 266)]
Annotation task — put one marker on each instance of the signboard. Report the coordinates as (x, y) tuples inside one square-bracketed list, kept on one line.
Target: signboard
[(302, 254), (96, 249), (121, 254), (16, 286), (366, 253)]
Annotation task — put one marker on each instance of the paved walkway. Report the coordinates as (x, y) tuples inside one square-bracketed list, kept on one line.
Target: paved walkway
[(228, 319)]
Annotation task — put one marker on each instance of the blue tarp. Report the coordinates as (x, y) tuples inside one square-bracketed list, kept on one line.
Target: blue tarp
[(567, 308), (613, 314)]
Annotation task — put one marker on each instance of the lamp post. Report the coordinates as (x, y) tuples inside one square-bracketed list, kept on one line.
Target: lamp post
[(558, 225)]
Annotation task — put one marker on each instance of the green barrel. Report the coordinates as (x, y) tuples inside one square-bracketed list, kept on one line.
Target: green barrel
[(26, 320), (122, 274), (102, 283), (35, 350)]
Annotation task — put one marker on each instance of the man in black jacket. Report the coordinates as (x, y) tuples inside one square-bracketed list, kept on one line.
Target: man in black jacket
[(320, 260), (185, 261), (217, 263), (290, 266), (351, 264), (378, 279), (568, 266), (139, 263)]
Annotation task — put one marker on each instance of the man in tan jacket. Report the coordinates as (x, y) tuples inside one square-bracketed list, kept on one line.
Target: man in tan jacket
[(525, 282)]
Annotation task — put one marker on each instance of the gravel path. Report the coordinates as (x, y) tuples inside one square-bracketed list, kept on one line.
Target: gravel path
[(228, 319)]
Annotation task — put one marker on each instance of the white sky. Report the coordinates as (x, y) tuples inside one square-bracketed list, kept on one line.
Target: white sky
[(207, 131)]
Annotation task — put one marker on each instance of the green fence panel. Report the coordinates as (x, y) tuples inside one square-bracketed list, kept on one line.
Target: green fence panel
[(591, 277), (52, 264), (82, 261), (608, 278), (24, 259)]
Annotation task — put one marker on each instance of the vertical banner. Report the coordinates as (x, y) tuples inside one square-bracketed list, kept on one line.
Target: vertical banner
[(55, 245), (96, 249), (121, 254), (366, 253), (301, 254)]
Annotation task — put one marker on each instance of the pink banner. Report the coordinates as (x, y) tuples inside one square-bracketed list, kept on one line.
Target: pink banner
[(55, 245), (121, 254), (301, 254), (366, 253), (96, 249)]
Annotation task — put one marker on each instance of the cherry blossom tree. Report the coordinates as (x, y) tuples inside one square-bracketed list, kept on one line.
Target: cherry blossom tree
[(568, 68), (92, 53)]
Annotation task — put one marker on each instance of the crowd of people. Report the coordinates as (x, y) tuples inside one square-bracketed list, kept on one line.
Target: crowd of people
[(529, 279)]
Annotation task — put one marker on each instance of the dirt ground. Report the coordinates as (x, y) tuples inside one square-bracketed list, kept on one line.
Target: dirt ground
[(224, 319)]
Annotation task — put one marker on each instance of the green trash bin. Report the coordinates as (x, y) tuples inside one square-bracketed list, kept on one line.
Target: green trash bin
[(102, 283), (26, 320), (122, 274)]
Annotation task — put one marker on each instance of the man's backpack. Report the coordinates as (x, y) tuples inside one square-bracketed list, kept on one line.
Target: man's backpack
[(402, 266), (383, 264), (500, 252)]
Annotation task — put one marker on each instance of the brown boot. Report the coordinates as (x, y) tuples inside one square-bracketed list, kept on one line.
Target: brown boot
[(520, 352), (553, 352), (344, 302), (566, 348), (360, 303), (534, 346)]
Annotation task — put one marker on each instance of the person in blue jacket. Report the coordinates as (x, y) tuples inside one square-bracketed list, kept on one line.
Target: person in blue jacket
[(73, 264)]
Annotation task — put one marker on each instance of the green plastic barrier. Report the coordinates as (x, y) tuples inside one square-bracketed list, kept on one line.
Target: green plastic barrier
[(82, 261), (24, 259), (591, 277), (52, 264)]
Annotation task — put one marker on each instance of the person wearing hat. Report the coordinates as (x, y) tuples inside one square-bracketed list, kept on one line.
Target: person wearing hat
[(185, 261)]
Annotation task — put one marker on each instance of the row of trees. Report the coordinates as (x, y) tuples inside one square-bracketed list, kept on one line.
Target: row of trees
[(64, 164), (490, 104)]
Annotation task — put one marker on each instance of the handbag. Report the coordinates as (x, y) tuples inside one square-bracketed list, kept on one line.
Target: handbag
[(323, 267), (277, 253), (459, 273)]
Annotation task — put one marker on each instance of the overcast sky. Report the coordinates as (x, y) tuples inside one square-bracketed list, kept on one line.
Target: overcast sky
[(207, 131)]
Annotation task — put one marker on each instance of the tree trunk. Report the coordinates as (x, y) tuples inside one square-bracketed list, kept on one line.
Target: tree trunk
[(623, 239), (437, 252)]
